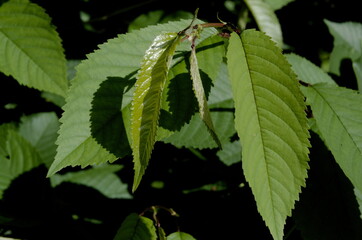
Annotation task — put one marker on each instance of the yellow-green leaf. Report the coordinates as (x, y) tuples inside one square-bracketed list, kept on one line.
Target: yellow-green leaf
[(271, 123), (146, 102)]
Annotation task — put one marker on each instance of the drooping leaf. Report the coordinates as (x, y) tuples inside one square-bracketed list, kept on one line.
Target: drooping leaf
[(201, 98), (180, 102), (180, 236), (146, 104), (327, 209), (307, 71), (20, 157), (136, 227), (101, 178), (266, 19), (107, 124), (271, 123), (40, 130), (119, 57), (194, 134), (338, 115), (30, 47), (347, 43), (230, 154)]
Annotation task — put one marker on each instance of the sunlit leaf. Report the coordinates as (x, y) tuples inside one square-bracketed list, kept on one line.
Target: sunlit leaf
[(271, 123), (180, 236), (136, 227), (119, 57), (146, 104), (30, 48)]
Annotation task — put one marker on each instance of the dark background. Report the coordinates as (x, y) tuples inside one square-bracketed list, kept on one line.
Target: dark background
[(41, 212)]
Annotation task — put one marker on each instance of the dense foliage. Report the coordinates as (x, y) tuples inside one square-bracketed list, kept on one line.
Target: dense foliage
[(182, 126)]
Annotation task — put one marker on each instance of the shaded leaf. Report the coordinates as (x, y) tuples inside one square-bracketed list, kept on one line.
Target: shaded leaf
[(201, 97), (271, 123), (266, 19), (107, 124), (20, 157), (195, 134), (118, 57), (347, 43), (146, 104), (136, 227), (180, 103), (327, 209), (101, 178), (41, 132), (307, 71), (359, 200), (180, 236), (277, 4), (338, 116), (155, 17), (30, 47), (230, 154)]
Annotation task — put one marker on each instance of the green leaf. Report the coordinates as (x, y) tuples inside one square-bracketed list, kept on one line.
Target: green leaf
[(180, 236), (21, 157), (327, 208), (307, 71), (266, 19), (180, 103), (358, 194), (155, 17), (101, 178), (146, 104), (41, 132), (347, 42), (136, 227), (30, 47), (119, 57), (201, 98), (271, 123), (230, 154), (277, 4), (195, 134), (338, 115), (107, 124)]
